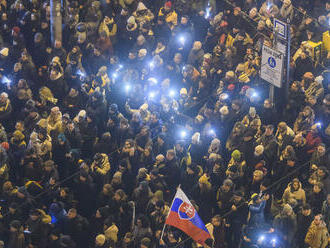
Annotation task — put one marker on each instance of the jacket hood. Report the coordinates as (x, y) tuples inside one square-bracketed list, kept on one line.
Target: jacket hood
[(141, 7)]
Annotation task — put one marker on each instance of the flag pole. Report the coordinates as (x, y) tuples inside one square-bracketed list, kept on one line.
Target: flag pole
[(161, 236)]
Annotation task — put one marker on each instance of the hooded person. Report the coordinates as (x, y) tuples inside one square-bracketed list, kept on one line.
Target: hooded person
[(57, 83), (286, 224), (100, 164), (5, 108), (47, 98), (252, 115), (287, 10), (54, 121), (196, 55), (294, 194), (111, 231), (313, 86), (142, 14), (236, 164), (142, 111), (108, 26), (4, 61), (256, 217), (168, 12)]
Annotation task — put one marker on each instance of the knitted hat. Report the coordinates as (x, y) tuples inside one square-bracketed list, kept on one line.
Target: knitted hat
[(146, 242), (259, 149), (131, 20), (319, 79), (287, 209), (183, 91), (100, 239), (230, 74), (238, 193), (15, 224), (199, 118), (82, 114), (5, 145), (236, 155), (4, 51), (104, 211), (252, 111), (168, 4), (254, 196), (195, 138), (18, 135), (231, 87), (160, 157), (142, 52), (141, 6), (224, 110), (228, 182), (309, 75), (16, 30), (55, 208)]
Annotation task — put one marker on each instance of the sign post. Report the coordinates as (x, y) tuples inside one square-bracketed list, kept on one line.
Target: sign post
[(272, 66)]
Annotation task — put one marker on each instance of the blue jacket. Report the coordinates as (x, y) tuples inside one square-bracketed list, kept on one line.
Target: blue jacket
[(256, 212)]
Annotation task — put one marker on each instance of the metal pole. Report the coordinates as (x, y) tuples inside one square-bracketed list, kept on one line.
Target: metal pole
[(287, 83), (271, 93), (55, 21)]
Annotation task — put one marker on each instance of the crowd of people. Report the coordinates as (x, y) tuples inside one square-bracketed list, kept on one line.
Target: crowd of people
[(100, 124)]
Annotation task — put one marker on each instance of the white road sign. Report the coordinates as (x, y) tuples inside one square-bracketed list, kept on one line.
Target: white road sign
[(281, 28), (272, 66)]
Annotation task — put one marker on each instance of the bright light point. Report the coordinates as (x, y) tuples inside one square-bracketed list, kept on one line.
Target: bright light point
[(80, 73), (255, 94), (153, 80), (6, 80), (152, 94), (269, 5), (151, 64), (207, 13), (319, 124), (120, 66), (182, 40), (114, 75), (127, 87), (211, 132), (172, 93), (273, 240), (262, 238), (183, 134), (225, 96)]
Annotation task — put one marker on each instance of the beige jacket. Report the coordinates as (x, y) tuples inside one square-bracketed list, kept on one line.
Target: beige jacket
[(317, 236)]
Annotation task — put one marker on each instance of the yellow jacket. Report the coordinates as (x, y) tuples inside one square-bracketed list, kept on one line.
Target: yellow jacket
[(171, 18), (104, 28), (112, 233), (230, 40), (317, 236), (104, 167)]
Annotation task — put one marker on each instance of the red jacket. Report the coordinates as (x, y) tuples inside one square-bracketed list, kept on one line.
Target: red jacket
[(312, 142)]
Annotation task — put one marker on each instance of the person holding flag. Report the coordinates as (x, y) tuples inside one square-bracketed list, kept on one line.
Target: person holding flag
[(184, 216)]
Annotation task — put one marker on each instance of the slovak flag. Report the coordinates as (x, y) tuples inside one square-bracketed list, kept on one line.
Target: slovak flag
[(184, 216)]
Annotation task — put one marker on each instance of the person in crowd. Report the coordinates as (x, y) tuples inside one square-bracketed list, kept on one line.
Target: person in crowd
[(317, 235)]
